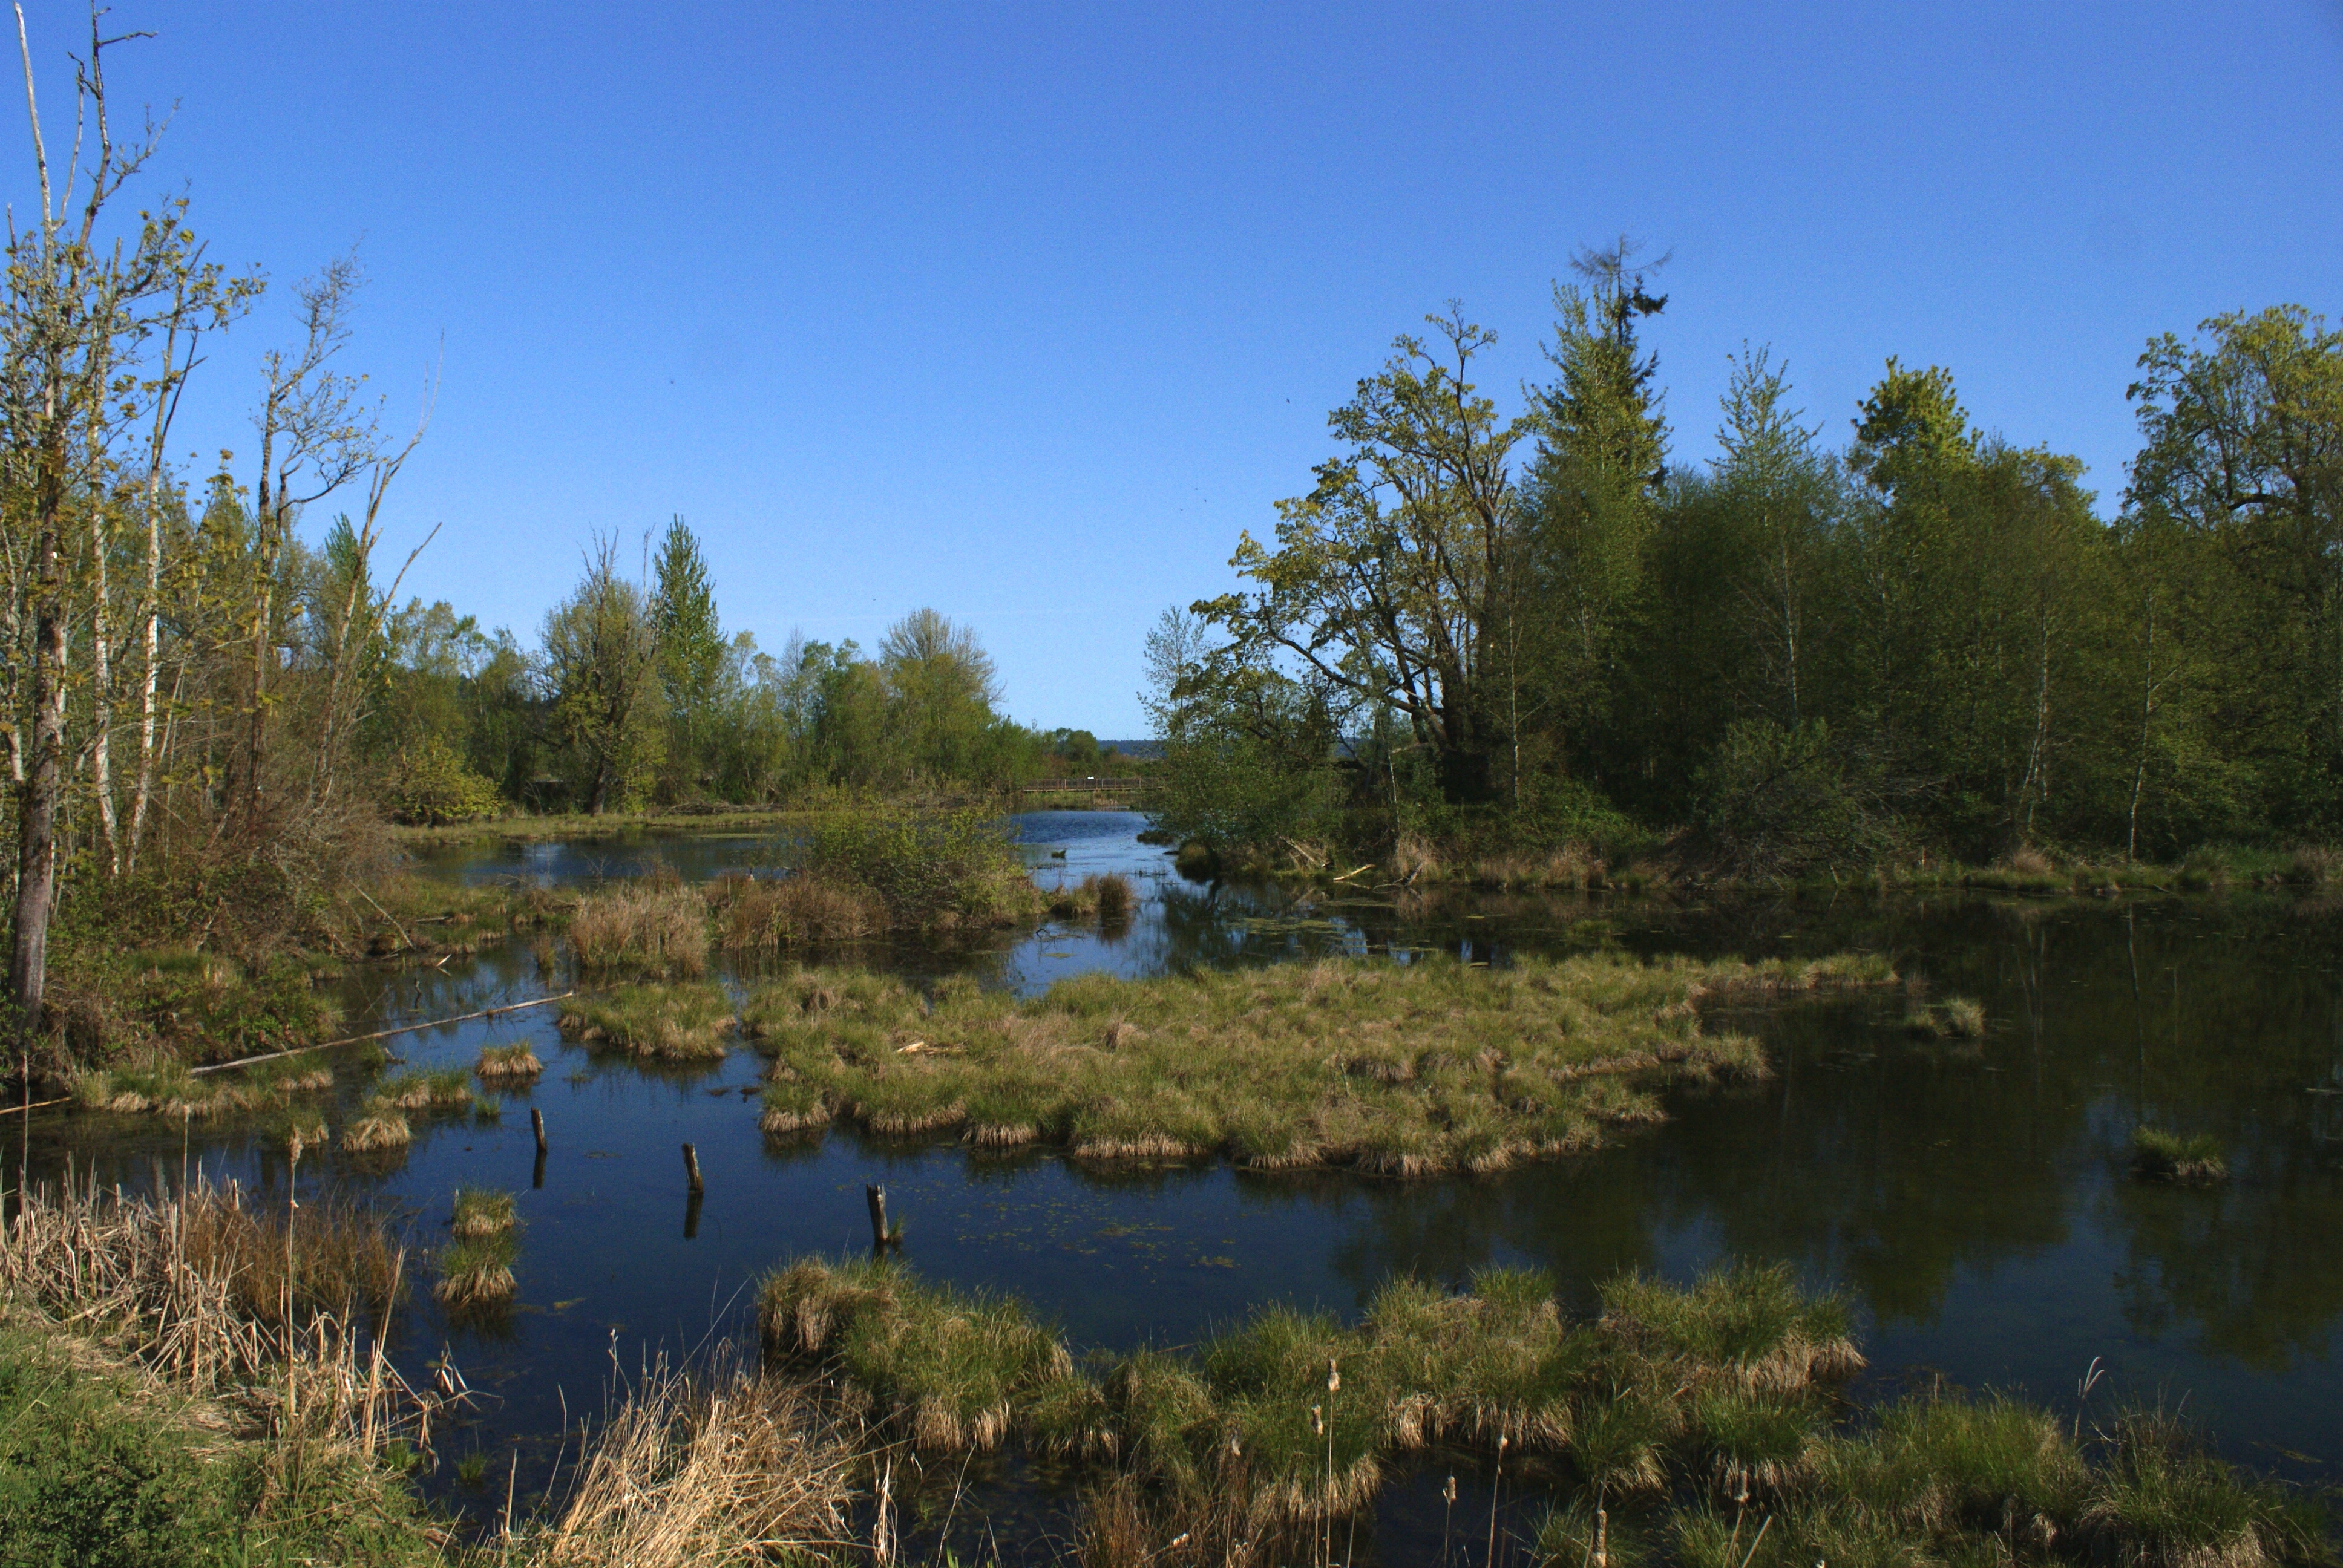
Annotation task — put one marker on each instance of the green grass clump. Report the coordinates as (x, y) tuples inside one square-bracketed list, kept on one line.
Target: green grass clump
[(1751, 1327), (476, 1271), (450, 1089), (1108, 899), (943, 1366), (679, 1023), (2165, 1502), (499, 1062), (1954, 1018), (482, 1212), (375, 1132), (1403, 1070), (2161, 1155)]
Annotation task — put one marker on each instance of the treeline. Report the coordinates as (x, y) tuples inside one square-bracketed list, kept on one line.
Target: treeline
[(1536, 628), (203, 713), (633, 695)]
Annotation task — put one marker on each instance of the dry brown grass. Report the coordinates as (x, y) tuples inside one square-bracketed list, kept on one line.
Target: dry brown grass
[(508, 1062), (709, 1472), (775, 914), (653, 930), (377, 1133)]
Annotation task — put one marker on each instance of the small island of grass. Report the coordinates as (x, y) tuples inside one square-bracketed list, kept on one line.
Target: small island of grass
[(1392, 1069)]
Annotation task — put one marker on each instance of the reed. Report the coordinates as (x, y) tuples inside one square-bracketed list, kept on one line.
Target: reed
[(674, 1022), (504, 1063), (2159, 1154), (653, 930), (806, 908), (711, 1468), (1410, 1070)]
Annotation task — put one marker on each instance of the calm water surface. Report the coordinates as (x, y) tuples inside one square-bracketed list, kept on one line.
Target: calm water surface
[(1971, 1199)]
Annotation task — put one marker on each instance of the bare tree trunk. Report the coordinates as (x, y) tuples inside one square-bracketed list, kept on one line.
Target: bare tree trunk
[(37, 810), (101, 655)]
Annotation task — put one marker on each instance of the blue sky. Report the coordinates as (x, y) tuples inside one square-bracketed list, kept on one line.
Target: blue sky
[(1025, 311)]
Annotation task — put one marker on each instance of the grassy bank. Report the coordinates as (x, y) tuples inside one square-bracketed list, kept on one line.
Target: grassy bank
[(1697, 1426), (171, 1396), (1400, 1070)]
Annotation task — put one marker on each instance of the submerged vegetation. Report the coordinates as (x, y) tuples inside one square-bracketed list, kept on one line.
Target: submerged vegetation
[(1402, 1070)]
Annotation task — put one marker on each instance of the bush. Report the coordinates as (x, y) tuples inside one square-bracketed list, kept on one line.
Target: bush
[(427, 784), (931, 871)]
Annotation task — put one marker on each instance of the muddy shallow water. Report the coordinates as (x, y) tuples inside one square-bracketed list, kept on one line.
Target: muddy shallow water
[(1971, 1196)]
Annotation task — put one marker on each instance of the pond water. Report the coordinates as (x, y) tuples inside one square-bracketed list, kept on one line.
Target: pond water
[(1972, 1199)]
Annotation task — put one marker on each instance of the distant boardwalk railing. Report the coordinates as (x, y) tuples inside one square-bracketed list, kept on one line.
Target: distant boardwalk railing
[(1087, 786)]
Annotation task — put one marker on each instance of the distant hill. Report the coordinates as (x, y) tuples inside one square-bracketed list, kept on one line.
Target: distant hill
[(1134, 747)]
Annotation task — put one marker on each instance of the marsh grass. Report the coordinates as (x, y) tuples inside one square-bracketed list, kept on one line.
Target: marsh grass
[(1290, 1416), (168, 1088), (939, 872), (447, 1090), (654, 929), (2158, 1154), (765, 915), (1412, 1069), (482, 1212), (676, 1022), (376, 1132), (506, 1062), (2165, 1500), (1954, 1018), (1108, 899), (476, 1271), (711, 1467)]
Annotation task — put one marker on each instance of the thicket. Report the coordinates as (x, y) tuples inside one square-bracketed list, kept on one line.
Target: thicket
[(1492, 630)]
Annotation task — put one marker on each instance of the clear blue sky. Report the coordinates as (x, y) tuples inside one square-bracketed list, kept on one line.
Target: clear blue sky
[(1024, 311)]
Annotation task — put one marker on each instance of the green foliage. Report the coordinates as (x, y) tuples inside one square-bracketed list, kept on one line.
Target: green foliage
[(934, 871), (428, 783)]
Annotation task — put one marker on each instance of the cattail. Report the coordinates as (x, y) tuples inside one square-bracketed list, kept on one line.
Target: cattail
[(1317, 1422), (1448, 1492), (1333, 1376)]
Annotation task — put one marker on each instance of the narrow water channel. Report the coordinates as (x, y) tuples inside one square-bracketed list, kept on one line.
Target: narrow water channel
[(1972, 1197)]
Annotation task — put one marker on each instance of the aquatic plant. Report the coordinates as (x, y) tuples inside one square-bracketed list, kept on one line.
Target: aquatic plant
[(807, 907), (482, 1212), (1400, 1070), (450, 1089), (1107, 898), (376, 1131), (641, 930), (476, 1271), (677, 1022), (2158, 1154), (2165, 1500), (1954, 1016), (515, 1060)]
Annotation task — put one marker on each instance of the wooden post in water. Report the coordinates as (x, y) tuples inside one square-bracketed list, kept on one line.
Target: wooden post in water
[(537, 1125), (877, 1201), (691, 1168)]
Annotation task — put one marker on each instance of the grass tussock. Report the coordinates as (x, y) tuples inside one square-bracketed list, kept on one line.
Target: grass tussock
[(807, 908), (475, 1271), (2158, 1154), (675, 1022), (1108, 899), (650, 930), (507, 1063), (376, 1132), (447, 1090), (170, 1088), (1399, 1069), (1955, 1018), (482, 1212), (1695, 1425)]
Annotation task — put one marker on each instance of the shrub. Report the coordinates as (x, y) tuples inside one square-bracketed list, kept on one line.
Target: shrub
[(428, 784)]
